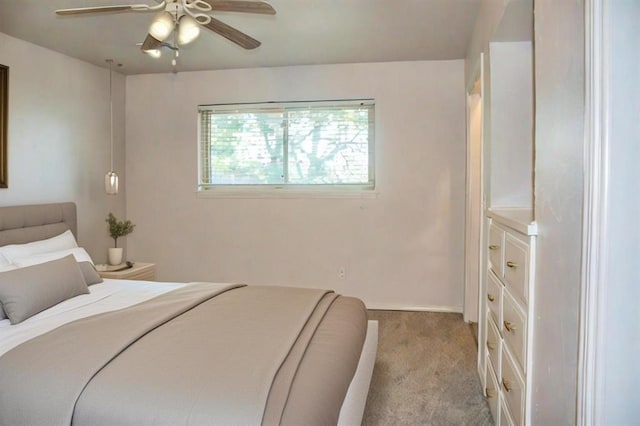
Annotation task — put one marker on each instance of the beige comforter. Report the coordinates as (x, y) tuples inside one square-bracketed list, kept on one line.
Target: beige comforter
[(197, 355)]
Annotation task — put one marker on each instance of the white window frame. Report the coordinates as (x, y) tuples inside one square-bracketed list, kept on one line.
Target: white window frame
[(289, 190)]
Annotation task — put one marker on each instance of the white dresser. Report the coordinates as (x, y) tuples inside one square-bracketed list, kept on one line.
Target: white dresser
[(507, 341)]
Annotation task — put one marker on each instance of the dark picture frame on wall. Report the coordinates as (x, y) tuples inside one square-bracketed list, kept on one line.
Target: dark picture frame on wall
[(4, 123)]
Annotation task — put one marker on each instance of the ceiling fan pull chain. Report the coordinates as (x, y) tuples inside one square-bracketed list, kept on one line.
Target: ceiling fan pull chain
[(174, 61)]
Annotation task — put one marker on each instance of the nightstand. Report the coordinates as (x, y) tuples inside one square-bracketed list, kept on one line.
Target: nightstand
[(140, 271)]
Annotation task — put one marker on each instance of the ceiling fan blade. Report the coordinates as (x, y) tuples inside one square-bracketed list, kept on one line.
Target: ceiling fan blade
[(102, 9), (245, 6), (150, 43), (230, 33)]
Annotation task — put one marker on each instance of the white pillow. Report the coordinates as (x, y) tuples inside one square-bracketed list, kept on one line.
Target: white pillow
[(64, 241), (79, 253), (3, 268), (4, 261)]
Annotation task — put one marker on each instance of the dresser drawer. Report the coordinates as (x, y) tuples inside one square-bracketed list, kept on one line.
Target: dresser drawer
[(496, 249), (514, 328), (493, 392), (512, 387), (516, 271), (494, 345), (147, 275), (494, 298)]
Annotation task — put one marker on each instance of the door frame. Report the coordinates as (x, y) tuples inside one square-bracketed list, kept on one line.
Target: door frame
[(472, 300), (604, 373)]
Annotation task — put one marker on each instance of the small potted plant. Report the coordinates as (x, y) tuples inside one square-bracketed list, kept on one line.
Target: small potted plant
[(117, 229)]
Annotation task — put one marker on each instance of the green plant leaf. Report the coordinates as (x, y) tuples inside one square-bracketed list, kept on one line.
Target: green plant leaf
[(118, 228)]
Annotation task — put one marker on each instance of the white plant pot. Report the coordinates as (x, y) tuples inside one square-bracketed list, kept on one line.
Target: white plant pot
[(115, 256)]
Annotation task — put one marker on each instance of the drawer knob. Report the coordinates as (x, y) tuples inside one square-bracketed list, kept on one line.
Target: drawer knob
[(509, 326), (491, 346), (493, 247), (490, 393), (511, 264), (491, 297), (506, 385)]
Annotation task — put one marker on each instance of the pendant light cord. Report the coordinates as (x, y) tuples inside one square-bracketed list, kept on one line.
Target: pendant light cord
[(111, 110)]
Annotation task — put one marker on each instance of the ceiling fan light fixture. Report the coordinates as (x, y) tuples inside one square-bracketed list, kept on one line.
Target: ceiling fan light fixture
[(188, 30), (162, 26), (179, 22)]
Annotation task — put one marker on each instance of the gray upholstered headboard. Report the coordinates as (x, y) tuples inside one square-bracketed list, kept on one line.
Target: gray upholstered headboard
[(23, 224)]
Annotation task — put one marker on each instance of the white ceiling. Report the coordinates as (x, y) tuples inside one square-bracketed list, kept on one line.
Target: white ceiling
[(302, 32)]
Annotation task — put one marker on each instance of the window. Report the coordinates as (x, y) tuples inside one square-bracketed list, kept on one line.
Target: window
[(301, 145)]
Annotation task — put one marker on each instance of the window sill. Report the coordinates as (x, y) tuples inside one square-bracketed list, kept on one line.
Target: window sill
[(286, 193)]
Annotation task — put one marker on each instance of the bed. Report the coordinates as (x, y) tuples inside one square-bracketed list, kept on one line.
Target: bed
[(134, 352)]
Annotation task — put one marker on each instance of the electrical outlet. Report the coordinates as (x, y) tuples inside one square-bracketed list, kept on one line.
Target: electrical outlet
[(341, 273)]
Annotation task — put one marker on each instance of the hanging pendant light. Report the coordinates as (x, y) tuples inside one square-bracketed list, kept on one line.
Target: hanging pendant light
[(111, 178)]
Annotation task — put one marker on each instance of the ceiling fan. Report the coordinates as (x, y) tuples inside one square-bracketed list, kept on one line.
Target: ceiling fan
[(183, 19)]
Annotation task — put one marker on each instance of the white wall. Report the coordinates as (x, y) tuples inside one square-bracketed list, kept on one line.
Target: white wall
[(59, 136), (511, 144), (559, 138), (402, 249)]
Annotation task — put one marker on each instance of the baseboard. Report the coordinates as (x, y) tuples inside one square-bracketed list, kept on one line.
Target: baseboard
[(394, 307)]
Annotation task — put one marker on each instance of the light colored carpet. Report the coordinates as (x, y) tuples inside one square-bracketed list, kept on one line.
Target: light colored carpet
[(425, 372)]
